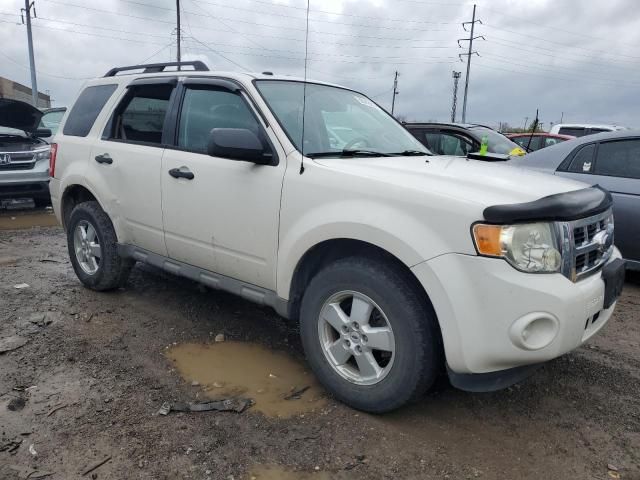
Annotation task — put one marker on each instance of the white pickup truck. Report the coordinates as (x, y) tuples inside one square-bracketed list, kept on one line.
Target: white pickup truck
[(398, 265)]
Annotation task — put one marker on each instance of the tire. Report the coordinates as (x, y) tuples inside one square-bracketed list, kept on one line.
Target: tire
[(417, 357), (109, 271)]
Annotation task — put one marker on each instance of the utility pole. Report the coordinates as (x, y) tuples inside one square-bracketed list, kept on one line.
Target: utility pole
[(456, 78), (395, 92), (32, 62), (561, 116), (178, 28), (468, 55), (526, 119)]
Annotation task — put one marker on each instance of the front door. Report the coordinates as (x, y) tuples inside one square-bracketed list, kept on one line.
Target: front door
[(223, 215)]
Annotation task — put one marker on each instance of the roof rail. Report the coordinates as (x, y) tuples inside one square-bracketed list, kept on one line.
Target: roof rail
[(197, 65)]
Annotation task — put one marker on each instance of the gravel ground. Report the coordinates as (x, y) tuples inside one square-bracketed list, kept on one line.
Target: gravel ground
[(89, 381)]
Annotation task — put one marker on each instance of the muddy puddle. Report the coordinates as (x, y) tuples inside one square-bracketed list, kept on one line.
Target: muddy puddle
[(20, 219), (267, 376), (276, 472)]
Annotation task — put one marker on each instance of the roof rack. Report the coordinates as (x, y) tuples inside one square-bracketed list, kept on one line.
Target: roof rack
[(197, 65)]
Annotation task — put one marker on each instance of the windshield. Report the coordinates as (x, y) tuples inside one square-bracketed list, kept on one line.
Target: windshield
[(51, 120), (336, 120), (498, 143)]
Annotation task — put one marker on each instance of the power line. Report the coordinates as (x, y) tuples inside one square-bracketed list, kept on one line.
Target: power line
[(40, 72), (217, 52), (580, 34), (599, 52), (325, 12), (569, 76), (568, 79)]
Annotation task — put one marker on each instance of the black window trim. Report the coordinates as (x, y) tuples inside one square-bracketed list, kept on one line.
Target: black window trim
[(210, 83), (124, 100)]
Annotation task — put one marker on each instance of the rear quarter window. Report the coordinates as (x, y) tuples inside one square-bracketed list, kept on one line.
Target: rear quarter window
[(86, 109)]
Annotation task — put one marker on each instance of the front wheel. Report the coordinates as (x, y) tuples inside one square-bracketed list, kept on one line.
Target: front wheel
[(369, 334), (92, 244)]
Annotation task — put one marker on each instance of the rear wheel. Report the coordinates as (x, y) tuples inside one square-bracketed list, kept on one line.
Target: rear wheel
[(369, 334), (92, 245)]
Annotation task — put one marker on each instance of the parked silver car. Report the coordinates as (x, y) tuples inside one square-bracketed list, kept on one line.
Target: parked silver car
[(24, 155), (611, 160)]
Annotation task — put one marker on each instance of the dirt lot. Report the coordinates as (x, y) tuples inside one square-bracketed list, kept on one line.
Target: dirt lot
[(96, 367)]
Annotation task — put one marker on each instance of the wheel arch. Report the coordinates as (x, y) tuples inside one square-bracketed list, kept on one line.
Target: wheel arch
[(330, 250), (72, 196)]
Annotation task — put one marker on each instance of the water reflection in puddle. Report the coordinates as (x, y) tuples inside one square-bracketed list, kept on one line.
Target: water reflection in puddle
[(236, 368), (276, 472), (22, 220)]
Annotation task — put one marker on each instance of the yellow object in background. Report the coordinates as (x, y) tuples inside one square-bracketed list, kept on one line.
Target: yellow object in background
[(517, 152)]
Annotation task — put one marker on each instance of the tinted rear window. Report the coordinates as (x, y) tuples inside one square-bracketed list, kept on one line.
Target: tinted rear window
[(87, 108), (575, 131)]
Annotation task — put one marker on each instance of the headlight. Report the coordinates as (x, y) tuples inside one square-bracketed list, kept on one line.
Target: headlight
[(42, 154), (529, 247)]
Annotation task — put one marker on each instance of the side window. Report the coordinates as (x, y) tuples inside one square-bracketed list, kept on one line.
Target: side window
[(548, 141), (524, 142), (140, 116), (431, 140), (86, 109), (583, 161), (205, 109), (619, 159), (455, 144)]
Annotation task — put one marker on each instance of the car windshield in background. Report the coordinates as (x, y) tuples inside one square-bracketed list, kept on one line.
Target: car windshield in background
[(337, 121), (498, 143)]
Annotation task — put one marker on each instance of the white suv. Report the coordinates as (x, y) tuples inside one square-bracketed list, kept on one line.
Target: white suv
[(396, 264)]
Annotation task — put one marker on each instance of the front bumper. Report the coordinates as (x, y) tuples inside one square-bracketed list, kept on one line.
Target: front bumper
[(486, 308), (33, 182)]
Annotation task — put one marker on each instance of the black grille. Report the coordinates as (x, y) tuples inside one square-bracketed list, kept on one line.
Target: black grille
[(578, 235), (17, 166)]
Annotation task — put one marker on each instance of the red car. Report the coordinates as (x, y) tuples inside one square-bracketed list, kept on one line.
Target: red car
[(538, 141)]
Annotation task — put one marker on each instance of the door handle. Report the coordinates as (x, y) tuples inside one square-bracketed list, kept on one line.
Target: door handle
[(104, 158), (182, 172)]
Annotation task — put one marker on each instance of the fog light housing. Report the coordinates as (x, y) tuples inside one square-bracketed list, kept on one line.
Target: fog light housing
[(534, 331)]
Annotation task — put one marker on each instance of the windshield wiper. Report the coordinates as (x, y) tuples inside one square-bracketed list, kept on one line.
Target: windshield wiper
[(349, 153), (412, 153)]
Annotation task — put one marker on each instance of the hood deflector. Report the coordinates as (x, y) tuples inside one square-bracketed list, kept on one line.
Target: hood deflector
[(564, 206)]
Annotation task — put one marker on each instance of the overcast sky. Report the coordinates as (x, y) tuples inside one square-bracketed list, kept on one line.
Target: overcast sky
[(557, 56)]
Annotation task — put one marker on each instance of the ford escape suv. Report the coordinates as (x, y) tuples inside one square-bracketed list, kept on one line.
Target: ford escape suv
[(397, 265), (24, 155)]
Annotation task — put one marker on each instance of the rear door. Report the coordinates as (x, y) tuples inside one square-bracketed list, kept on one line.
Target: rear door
[(225, 217), (127, 161), (614, 165), (617, 168)]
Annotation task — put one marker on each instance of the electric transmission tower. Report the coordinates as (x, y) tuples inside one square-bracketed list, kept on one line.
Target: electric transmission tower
[(456, 78), (468, 55)]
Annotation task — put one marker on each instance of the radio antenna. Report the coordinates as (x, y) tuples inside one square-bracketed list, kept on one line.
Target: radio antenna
[(304, 88)]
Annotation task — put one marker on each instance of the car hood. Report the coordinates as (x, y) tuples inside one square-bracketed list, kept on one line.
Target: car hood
[(19, 115), (478, 182)]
